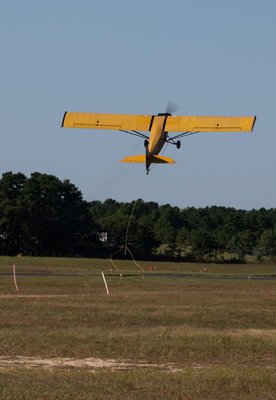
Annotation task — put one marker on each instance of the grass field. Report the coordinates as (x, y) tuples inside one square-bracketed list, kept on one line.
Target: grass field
[(62, 337)]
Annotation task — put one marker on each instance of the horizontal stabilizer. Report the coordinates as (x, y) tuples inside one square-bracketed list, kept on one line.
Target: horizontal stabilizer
[(135, 159), (149, 159)]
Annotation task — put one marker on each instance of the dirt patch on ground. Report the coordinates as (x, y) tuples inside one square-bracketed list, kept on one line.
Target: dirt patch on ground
[(96, 364), (32, 296), (90, 363)]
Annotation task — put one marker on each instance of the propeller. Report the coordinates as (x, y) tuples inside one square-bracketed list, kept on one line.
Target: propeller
[(172, 107)]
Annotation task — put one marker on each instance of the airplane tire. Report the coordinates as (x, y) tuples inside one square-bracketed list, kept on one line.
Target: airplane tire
[(178, 144), (146, 143)]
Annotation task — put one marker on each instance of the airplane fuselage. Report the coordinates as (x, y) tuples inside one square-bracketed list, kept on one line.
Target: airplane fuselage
[(158, 136)]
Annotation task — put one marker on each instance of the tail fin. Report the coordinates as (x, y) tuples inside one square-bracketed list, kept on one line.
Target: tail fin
[(142, 158), (161, 160)]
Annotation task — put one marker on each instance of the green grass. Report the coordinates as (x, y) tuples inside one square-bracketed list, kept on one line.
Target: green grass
[(239, 383), (86, 265), (220, 335)]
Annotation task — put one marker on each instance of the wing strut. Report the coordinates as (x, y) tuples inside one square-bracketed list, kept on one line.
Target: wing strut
[(135, 133), (172, 140)]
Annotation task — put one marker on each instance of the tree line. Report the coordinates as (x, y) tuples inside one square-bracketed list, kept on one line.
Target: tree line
[(42, 215)]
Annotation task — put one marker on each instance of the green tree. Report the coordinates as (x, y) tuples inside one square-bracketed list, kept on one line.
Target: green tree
[(182, 241), (56, 217), (167, 226), (241, 244), (130, 224), (202, 243), (266, 244), (141, 228), (11, 212)]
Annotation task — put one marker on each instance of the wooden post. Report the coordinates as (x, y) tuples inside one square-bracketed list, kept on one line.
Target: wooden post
[(14, 278), (106, 287)]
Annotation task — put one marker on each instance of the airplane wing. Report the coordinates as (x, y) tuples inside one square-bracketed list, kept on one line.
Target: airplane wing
[(107, 121), (209, 124)]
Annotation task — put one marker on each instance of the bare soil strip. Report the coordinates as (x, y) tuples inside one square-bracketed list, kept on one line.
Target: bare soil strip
[(91, 363), (95, 364), (33, 296)]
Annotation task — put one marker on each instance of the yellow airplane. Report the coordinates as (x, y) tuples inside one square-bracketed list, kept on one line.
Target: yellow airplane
[(158, 127)]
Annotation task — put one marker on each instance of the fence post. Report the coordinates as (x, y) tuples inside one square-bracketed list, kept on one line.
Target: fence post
[(14, 278), (106, 287)]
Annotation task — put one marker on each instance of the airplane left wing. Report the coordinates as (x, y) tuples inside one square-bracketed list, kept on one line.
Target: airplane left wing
[(209, 124), (107, 121)]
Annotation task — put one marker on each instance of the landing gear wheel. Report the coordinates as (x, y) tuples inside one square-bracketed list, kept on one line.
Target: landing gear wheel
[(146, 143), (178, 144)]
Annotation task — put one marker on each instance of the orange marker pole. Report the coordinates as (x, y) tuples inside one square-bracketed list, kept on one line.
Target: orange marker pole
[(14, 278)]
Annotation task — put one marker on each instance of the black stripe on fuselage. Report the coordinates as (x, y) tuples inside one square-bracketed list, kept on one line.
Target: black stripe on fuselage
[(151, 122), (166, 115)]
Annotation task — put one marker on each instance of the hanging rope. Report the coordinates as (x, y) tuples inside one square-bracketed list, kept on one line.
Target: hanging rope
[(113, 254), (126, 248), (136, 263), (129, 221)]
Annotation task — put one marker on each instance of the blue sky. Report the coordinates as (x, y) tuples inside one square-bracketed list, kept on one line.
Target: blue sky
[(210, 57)]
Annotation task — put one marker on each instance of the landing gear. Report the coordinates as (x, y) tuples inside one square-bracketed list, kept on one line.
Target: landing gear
[(146, 143), (178, 144)]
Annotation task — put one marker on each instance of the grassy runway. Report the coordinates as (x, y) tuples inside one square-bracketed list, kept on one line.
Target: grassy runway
[(64, 338)]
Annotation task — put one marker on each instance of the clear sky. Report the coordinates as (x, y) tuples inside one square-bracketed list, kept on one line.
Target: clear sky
[(212, 57)]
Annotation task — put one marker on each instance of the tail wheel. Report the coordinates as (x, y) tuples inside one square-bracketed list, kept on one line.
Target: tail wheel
[(178, 144), (146, 143)]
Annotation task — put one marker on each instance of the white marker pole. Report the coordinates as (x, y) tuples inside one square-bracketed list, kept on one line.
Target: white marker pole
[(14, 278), (106, 287)]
